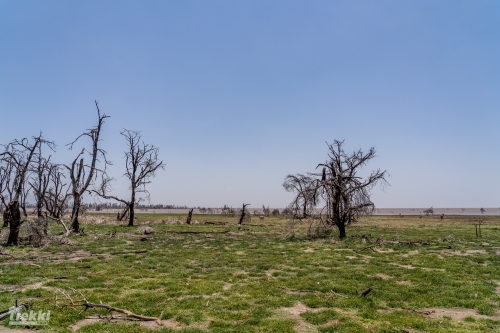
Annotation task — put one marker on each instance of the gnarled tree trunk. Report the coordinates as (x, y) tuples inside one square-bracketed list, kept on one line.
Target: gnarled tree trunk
[(190, 215), (131, 214), (75, 225), (14, 222)]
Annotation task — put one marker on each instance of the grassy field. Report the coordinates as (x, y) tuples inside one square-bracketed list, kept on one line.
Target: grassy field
[(431, 276)]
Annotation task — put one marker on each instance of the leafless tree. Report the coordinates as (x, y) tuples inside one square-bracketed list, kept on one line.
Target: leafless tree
[(244, 213), (429, 211), (40, 179), (267, 211), (344, 195), (303, 186), (141, 163), (20, 154), (55, 198), (190, 215), (82, 174), (7, 178)]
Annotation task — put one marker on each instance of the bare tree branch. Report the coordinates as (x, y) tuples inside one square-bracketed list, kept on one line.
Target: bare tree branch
[(82, 175)]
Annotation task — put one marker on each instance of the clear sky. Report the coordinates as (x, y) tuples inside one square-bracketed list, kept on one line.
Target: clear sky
[(238, 94)]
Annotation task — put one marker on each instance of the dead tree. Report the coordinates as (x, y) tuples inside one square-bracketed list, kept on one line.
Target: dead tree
[(39, 183), (344, 196), (190, 215), (267, 211), (141, 163), (55, 198), (243, 214), (429, 211), (7, 178), (82, 174), (20, 154), (40, 180), (304, 200)]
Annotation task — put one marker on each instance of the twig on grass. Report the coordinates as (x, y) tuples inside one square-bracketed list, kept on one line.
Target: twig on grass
[(411, 243), (198, 232), (299, 290), (88, 305), (367, 291), (331, 292), (129, 252), (366, 248), (215, 223)]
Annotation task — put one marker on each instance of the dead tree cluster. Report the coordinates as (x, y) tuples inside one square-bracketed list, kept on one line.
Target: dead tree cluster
[(26, 169), (337, 195), (17, 162)]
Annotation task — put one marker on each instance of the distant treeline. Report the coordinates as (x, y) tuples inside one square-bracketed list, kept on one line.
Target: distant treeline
[(114, 205)]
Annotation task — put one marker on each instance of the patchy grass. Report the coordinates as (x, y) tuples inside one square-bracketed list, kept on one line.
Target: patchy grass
[(431, 276)]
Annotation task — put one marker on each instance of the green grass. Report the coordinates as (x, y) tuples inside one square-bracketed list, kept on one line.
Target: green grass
[(254, 279)]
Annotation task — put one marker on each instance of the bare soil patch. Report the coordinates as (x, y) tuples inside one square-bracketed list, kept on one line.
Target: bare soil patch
[(404, 283), (294, 313), (456, 313), (270, 272), (240, 272), (467, 252), (403, 266), (435, 313), (389, 250), (411, 253)]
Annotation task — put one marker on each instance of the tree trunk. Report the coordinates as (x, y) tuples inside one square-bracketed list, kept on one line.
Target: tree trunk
[(341, 227), (131, 216), (6, 218), (39, 208), (75, 225), (15, 222), (242, 215), (190, 214)]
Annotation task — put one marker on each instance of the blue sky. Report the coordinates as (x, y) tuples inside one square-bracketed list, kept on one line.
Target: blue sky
[(238, 94)]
